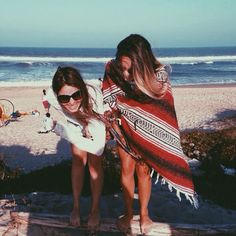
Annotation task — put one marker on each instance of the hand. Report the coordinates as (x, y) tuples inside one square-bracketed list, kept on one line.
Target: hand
[(53, 124), (86, 132)]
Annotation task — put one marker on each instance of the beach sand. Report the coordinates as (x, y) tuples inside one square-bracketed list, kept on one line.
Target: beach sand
[(22, 146)]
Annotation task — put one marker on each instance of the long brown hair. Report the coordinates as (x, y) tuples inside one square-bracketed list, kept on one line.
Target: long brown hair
[(71, 76), (144, 68)]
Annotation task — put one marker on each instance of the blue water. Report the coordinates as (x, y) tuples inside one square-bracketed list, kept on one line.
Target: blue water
[(36, 66)]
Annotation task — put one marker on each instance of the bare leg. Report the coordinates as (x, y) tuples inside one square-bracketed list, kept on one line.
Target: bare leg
[(128, 186), (77, 179), (144, 192), (96, 183)]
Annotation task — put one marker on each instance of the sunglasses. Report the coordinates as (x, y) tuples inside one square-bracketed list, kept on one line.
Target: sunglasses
[(66, 98)]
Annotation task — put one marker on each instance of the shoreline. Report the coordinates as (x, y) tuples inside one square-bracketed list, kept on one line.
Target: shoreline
[(48, 83), (205, 85)]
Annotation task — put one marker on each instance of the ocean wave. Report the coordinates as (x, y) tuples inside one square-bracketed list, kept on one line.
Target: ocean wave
[(53, 59), (24, 64), (197, 60), (195, 63), (168, 60)]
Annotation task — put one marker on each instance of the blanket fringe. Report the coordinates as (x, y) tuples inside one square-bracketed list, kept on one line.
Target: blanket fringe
[(152, 172), (178, 195), (157, 178), (170, 187), (192, 198)]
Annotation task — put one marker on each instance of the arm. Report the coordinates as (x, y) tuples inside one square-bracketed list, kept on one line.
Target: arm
[(97, 98), (73, 134)]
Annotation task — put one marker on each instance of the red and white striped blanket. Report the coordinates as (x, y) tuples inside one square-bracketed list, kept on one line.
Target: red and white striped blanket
[(152, 132)]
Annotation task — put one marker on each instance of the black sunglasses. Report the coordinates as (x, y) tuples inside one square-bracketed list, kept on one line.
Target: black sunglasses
[(66, 98)]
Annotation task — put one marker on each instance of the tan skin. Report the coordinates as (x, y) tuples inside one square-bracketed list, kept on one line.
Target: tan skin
[(128, 168), (1, 116), (80, 158)]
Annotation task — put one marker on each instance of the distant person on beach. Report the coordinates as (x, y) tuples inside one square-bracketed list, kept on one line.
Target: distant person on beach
[(47, 123), (45, 102), (137, 89), (16, 114), (82, 105)]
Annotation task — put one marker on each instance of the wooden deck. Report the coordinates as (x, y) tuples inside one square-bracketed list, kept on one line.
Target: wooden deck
[(25, 223)]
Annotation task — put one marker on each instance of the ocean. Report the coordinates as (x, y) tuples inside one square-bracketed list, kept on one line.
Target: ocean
[(191, 66)]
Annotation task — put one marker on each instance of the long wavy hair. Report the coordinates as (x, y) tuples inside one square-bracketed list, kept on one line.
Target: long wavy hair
[(72, 77), (144, 69)]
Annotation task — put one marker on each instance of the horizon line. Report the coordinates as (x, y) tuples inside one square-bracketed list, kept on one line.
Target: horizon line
[(63, 47)]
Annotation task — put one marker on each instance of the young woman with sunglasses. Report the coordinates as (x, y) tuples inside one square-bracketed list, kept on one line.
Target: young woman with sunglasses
[(82, 105)]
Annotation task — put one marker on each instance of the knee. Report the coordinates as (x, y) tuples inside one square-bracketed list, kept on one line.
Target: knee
[(79, 158), (127, 173), (143, 171), (127, 165), (95, 164), (78, 162)]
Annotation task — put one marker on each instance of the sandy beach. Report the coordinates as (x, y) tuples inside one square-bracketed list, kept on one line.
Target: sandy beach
[(22, 146)]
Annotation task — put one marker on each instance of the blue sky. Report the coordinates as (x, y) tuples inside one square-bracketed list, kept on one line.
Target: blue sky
[(103, 23)]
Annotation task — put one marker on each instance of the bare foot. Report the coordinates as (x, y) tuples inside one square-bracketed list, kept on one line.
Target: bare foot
[(75, 218), (94, 220), (146, 224), (124, 223)]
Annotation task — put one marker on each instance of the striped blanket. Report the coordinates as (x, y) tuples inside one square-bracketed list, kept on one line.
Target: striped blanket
[(151, 130)]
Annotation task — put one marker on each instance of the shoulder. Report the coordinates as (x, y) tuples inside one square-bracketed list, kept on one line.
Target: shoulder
[(96, 96), (94, 90), (108, 65), (108, 83)]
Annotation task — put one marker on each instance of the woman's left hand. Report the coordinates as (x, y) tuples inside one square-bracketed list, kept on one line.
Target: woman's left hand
[(86, 132)]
